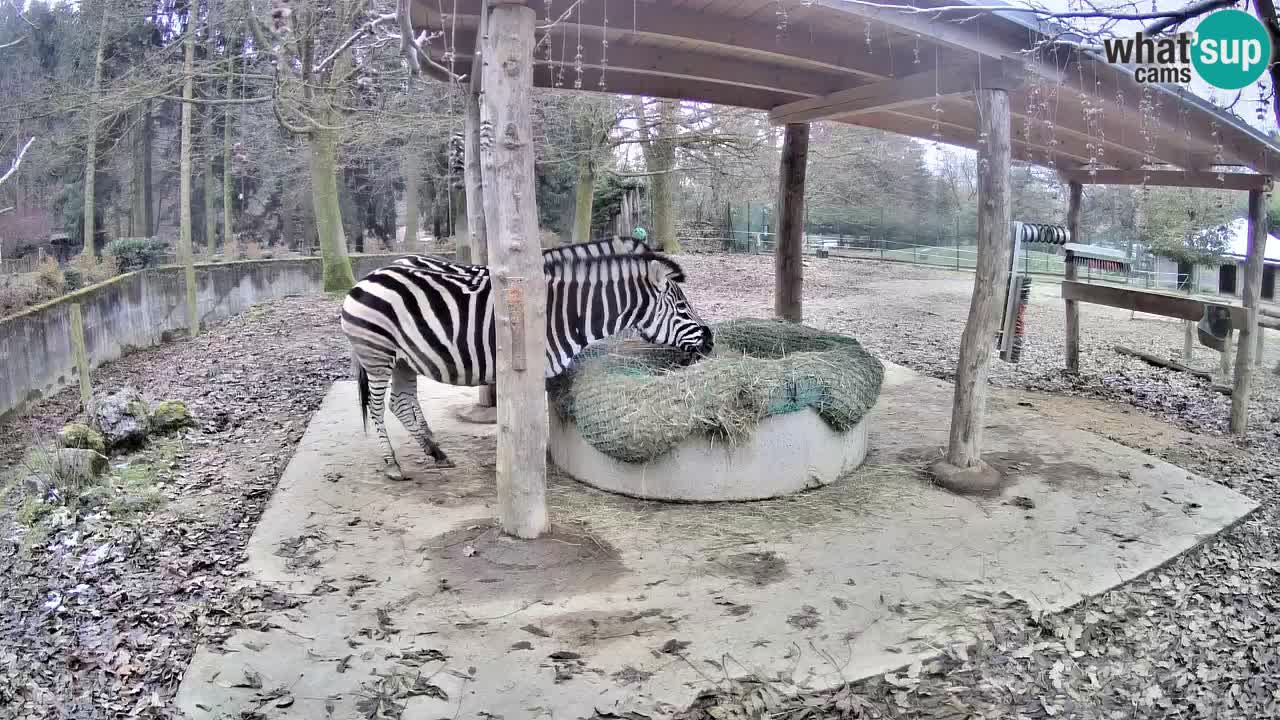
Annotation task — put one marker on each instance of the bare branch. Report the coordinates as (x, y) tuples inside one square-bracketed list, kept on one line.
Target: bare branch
[(366, 29), (16, 162)]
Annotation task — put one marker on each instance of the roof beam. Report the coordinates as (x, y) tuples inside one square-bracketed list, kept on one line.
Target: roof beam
[(900, 92), (1170, 178), (675, 63), (627, 19)]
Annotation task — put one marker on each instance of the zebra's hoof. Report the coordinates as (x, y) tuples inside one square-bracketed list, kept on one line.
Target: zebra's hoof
[(443, 463), (393, 473)]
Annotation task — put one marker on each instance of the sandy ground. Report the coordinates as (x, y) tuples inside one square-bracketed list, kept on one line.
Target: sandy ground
[(88, 633)]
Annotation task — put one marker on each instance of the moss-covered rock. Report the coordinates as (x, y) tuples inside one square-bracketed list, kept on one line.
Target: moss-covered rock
[(171, 415), (82, 437), (122, 418)]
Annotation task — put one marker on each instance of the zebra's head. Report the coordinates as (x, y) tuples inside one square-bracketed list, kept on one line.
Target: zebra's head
[(673, 321)]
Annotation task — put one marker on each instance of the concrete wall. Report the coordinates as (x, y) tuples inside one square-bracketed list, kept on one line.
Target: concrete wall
[(138, 310)]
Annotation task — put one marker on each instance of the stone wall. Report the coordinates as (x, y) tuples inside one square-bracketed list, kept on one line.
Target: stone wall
[(139, 310)]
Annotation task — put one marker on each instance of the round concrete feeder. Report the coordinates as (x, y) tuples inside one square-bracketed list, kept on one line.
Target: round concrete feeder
[(785, 454)]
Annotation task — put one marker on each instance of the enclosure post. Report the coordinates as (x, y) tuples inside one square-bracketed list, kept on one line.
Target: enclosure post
[(963, 469), (515, 262), (81, 354), (1076, 191), (1251, 295), (788, 294), (473, 179)]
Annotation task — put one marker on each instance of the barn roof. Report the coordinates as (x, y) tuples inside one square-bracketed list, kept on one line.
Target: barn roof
[(874, 65)]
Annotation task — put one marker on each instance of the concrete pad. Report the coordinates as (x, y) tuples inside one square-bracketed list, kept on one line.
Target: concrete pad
[(407, 591), (784, 455)]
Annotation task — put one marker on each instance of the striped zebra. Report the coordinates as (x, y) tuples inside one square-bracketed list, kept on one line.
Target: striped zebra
[(560, 253), (435, 318)]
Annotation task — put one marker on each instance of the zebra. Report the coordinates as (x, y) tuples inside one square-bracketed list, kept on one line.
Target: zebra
[(436, 319), (560, 253)]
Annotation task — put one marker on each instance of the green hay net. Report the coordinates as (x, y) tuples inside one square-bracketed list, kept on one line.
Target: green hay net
[(634, 401)]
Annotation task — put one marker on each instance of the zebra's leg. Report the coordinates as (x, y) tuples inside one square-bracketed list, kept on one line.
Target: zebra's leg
[(378, 378), (404, 403)]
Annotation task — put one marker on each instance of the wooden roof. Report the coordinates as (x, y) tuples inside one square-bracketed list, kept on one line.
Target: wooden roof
[(903, 71)]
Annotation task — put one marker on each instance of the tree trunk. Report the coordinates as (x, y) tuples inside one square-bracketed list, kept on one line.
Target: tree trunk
[(409, 166), (1251, 297), (148, 189), (473, 178), (659, 144), (228, 177), (991, 277), (584, 194), (324, 198), (140, 202), (184, 182), (789, 260), (91, 147), (516, 265), (1076, 194), (210, 188)]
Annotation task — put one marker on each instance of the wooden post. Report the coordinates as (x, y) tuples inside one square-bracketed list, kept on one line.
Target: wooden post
[(473, 179), (1251, 295), (81, 354), (1076, 193), (1224, 359), (515, 261), (963, 469), (788, 259)]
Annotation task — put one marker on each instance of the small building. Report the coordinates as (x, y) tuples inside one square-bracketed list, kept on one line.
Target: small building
[(1226, 278)]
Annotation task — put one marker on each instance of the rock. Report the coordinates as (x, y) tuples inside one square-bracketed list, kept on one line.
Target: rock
[(81, 436), (171, 415), (73, 467), (122, 418)]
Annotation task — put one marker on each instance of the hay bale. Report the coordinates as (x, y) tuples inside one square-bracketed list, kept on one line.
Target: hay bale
[(635, 402)]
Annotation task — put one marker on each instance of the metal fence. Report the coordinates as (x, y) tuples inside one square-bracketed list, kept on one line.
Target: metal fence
[(958, 257)]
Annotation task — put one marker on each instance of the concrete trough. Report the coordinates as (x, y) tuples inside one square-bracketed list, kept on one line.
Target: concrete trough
[(785, 454)]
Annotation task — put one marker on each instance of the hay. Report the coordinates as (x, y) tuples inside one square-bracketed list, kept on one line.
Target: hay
[(635, 402)]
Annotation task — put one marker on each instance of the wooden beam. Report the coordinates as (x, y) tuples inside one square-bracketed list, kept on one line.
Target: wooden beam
[(1076, 193), (900, 92), (1251, 296), (1170, 178), (1145, 301), (624, 55), (515, 261), (789, 269), (964, 136), (818, 50), (964, 450)]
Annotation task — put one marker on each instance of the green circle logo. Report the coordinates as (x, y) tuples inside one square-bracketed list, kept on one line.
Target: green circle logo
[(1232, 49)]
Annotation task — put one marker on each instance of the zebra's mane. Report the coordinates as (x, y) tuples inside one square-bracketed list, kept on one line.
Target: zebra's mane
[(677, 272)]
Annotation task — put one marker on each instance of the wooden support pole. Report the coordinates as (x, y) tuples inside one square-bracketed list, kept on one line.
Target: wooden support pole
[(81, 354), (473, 178), (963, 461), (1252, 296), (1076, 193), (515, 261), (1224, 358), (788, 279)]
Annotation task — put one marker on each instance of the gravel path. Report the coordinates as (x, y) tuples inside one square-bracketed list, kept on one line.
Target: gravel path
[(100, 620)]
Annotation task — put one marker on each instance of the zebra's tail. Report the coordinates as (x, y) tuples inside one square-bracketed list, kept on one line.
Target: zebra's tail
[(362, 381)]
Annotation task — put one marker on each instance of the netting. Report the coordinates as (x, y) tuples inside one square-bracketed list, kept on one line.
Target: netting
[(635, 401)]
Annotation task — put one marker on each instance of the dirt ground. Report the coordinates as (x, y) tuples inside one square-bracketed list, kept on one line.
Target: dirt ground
[(99, 617)]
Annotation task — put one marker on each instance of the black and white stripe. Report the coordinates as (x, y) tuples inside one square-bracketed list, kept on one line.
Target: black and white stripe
[(427, 316)]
